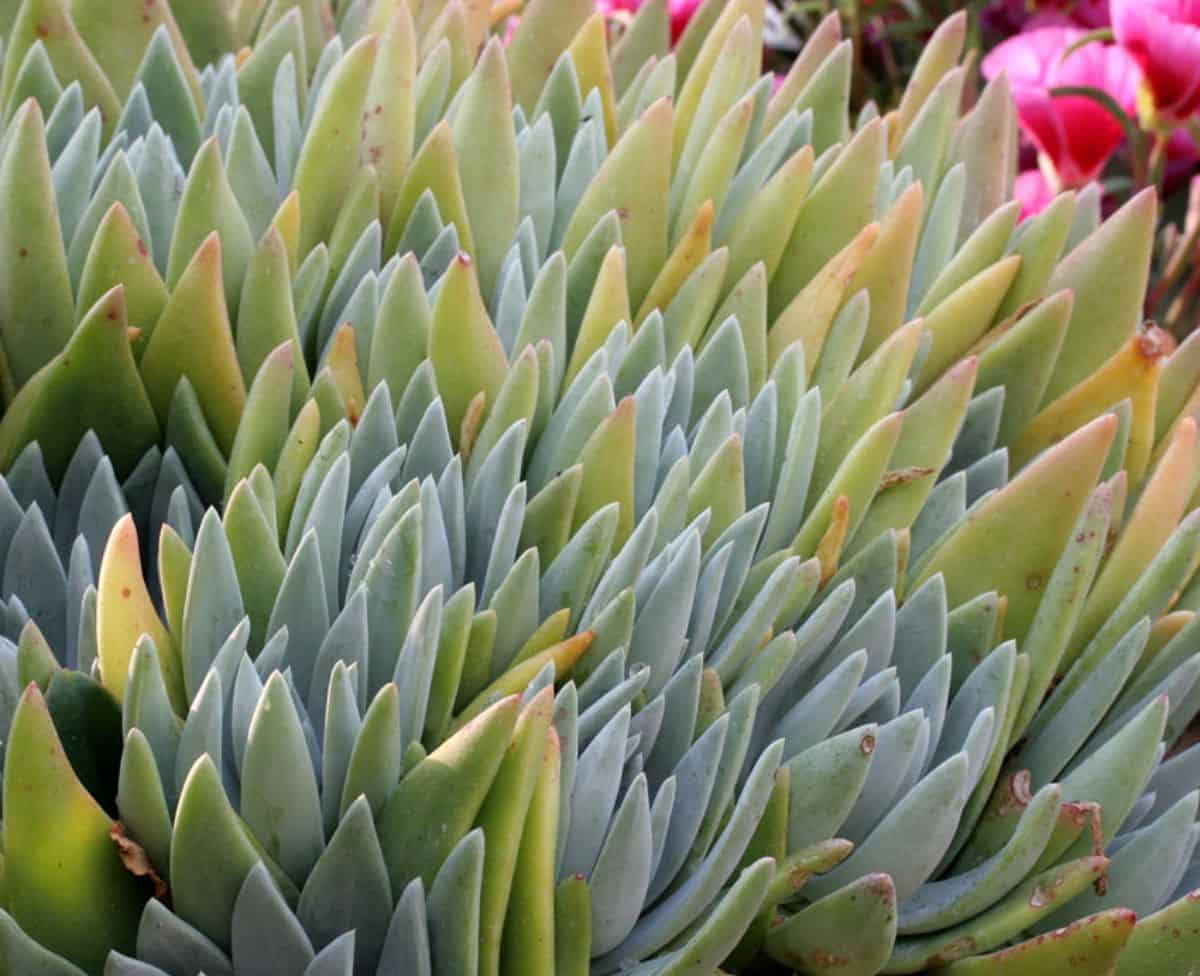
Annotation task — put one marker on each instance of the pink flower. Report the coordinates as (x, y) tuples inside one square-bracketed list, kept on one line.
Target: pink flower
[(1033, 191), (681, 12), (610, 7), (1164, 37), (1076, 134)]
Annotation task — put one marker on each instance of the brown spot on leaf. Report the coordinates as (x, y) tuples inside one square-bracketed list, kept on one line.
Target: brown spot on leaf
[(955, 950), (1018, 794), (827, 960), (902, 476), (1153, 342), (136, 861)]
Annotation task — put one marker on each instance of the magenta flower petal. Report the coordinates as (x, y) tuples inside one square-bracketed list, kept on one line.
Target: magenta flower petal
[(610, 7), (1163, 36), (1033, 191), (1077, 134), (681, 13), (1041, 122)]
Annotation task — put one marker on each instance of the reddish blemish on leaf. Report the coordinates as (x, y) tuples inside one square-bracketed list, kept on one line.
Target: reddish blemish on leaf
[(1154, 342), (902, 476), (1122, 918), (827, 960), (955, 950), (136, 862)]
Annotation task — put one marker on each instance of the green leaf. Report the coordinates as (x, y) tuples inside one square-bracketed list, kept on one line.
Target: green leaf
[(119, 256), (91, 385), (64, 878), (487, 157), (209, 207), (32, 259), (503, 818), (467, 355), (193, 339), (850, 931), (279, 786), (1012, 542), (329, 157), (49, 22), (436, 803), (1107, 307), (634, 181), (390, 106)]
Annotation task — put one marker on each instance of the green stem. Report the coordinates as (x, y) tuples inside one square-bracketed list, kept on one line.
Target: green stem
[(1181, 256), (1184, 303), (1158, 159)]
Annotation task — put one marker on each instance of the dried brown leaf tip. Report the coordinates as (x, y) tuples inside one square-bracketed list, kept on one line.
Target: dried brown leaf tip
[(137, 861)]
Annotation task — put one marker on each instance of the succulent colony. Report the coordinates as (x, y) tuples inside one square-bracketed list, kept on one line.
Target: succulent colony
[(562, 507)]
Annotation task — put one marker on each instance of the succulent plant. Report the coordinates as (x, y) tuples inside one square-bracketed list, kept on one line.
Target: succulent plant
[(531, 508)]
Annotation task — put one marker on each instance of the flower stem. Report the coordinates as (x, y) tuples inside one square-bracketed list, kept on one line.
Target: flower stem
[(1158, 159), (1183, 251)]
